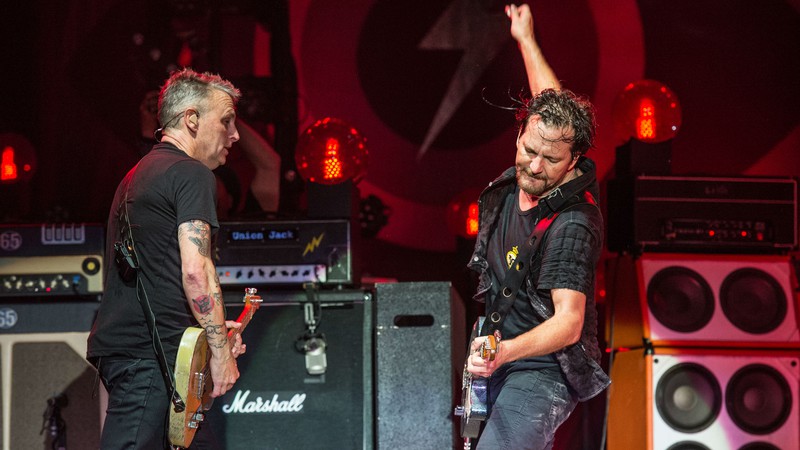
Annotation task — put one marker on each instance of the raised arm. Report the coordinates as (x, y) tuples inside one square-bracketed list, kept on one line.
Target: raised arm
[(266, 181), (203, 292), (540, 75)]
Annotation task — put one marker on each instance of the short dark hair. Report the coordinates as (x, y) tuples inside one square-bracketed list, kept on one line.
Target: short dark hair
[(562, 109)]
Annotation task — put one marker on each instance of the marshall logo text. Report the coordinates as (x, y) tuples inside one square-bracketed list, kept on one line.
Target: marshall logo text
[(241, 404)]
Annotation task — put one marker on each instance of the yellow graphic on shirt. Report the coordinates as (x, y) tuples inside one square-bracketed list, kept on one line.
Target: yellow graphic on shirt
[(511, 255)]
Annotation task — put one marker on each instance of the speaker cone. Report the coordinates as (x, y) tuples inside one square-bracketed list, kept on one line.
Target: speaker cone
[(759, 446), (758, 399), (753, 301), (688, 397), (681, 299), (688, 446)]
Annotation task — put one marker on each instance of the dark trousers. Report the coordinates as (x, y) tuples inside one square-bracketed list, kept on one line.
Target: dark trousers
[(526, 409), (138, 407)]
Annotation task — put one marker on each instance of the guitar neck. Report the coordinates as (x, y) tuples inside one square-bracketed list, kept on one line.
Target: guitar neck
[(244, 318)]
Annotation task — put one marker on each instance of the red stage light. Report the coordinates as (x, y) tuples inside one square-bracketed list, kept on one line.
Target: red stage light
[(646, 110), (17, 158), (8, 168), (331, 152), (646, 123), (332, 165), (472, 220), (462, 214)]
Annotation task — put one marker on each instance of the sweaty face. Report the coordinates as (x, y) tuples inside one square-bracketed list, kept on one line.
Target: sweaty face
[(216, 130), (544, 160)]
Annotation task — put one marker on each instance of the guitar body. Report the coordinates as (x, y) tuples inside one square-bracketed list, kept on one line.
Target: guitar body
[(475, 407), (193, 381), (194, 385)]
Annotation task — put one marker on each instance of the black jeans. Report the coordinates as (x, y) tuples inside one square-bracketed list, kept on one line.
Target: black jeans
[(526, 409), (138, 407)]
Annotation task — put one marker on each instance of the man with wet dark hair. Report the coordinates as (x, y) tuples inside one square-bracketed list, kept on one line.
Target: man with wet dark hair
[(547, 356)]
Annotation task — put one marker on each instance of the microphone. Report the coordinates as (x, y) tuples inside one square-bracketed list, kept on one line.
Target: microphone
[(316, 358), (313, 343)]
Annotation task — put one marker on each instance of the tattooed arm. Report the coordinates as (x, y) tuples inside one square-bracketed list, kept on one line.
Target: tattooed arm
[(202, 289)]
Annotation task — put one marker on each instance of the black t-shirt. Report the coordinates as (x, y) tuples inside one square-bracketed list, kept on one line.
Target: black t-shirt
[(513, 228), (166, 189)]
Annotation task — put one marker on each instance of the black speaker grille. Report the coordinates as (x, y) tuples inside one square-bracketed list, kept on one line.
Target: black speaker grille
[(41, 371), (414, 364), (320, 412)]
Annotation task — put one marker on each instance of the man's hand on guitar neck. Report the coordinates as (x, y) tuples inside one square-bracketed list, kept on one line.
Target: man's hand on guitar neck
[(238, 347)]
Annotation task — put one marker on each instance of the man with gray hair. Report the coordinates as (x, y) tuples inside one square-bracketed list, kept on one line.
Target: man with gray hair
[(162, 218)]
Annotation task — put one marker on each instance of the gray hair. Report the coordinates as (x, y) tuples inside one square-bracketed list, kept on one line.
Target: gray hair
[(188, 89)]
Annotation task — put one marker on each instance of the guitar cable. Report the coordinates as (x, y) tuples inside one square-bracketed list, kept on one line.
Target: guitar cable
[(611, 299)]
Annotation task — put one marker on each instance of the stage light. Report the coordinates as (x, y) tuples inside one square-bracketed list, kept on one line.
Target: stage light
[(646, 110), (17, 158), (462, 214), (331, 152)]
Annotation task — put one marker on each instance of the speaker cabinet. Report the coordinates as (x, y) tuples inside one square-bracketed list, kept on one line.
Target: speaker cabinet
[(276, 403), (693, 399), (48, 393), (420, 344), (702, 300)]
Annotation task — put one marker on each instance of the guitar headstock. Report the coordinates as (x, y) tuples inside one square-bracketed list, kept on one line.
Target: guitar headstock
[(251, 300)]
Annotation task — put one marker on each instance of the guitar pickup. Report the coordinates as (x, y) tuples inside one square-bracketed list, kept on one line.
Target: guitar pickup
[(194, 422), (200, 384)]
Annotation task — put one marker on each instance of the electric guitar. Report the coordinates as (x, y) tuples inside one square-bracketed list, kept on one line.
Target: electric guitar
[(193, 377), (474, 408)]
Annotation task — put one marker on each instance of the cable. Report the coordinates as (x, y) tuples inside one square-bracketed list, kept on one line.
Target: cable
[(610, 345)]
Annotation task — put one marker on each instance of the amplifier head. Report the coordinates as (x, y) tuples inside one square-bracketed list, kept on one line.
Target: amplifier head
[(286, 253), (673, 213)]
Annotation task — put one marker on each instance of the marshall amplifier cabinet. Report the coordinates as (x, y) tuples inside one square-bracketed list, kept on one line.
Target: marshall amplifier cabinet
[(51, 260), (286, 253), (673, 213), (307, 376)]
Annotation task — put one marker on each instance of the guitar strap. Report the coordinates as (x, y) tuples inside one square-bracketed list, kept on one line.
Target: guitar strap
[(132, 262), (515, 274), (514, 278)]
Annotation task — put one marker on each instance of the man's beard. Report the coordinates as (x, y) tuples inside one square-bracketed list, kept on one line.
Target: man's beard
[(533, 185)]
